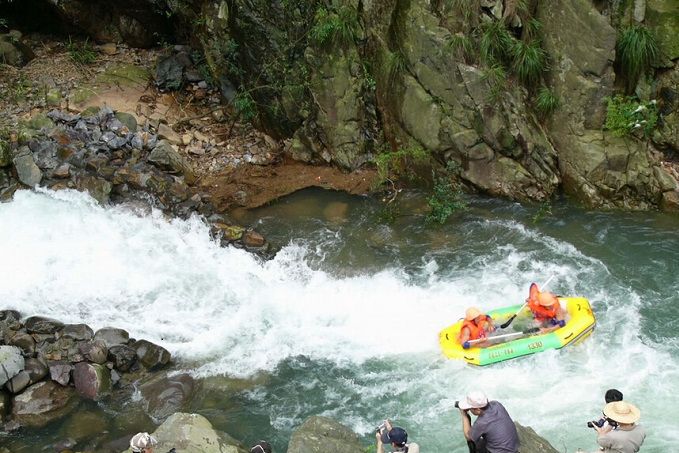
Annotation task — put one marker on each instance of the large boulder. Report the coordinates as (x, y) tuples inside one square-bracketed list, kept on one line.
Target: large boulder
[(92, 381), (27, 170), (151, 355), (77, 332), (43, 403), (112, 336), (531, 442), (41, 324), (94, 351), (165, 394), (193, 433), (321, 434), (11, 363), (122, 356), (37, 369), (25, 342)]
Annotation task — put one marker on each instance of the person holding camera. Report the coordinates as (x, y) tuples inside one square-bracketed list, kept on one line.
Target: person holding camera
[(621, 434), (261, 447), (610, 396), (397, 437), (493, 425)]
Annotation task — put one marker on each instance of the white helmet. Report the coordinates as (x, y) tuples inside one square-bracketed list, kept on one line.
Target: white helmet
[(140, 441)]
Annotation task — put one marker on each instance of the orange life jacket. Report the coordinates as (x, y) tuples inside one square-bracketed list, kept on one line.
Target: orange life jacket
[(476, 331), (542, 313)]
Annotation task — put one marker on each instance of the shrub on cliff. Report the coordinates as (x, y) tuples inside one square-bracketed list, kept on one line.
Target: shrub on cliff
[(636, 50)]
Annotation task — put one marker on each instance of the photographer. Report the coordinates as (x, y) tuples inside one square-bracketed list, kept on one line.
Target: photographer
[(397, 437), (610, 396), (493, 424), (144, 443), (621, 434)]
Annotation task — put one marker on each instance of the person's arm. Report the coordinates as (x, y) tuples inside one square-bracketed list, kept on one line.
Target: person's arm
[(491, 325), (466, 424), (464, 335), (380, 448)]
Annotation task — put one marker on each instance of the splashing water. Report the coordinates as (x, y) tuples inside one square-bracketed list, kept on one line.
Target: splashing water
[(360, 344)]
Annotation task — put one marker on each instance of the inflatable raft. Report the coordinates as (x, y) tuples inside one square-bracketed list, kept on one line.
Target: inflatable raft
[(579, 324)]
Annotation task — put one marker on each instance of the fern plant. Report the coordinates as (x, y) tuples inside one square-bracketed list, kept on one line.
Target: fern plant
[(626, 115), (636, 50)]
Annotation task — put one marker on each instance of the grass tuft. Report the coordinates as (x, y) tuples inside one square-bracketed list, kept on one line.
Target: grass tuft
[(81, 53), (636, 49), (496, 43), (546, 102), (529, 61)]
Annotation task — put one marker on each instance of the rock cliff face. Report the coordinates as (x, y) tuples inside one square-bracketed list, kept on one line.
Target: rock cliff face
[(348, 79)]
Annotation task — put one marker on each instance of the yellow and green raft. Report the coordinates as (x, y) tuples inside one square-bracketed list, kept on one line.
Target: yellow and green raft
[(579, 324)]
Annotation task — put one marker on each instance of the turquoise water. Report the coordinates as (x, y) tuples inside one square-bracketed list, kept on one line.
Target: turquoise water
[(344, 321)]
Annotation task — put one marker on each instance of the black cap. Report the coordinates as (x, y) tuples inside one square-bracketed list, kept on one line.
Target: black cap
[(261, 447), (399, 436)]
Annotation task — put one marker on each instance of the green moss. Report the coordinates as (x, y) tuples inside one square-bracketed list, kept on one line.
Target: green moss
[(81, 95), (124, 74)]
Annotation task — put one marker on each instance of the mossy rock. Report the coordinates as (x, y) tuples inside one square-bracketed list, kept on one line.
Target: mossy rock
[(81, 95), (39, 121), (124, 74)]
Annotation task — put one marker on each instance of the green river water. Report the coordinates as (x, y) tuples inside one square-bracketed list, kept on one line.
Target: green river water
[(344, 321)]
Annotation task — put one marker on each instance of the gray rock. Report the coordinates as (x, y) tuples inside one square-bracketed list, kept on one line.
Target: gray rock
[(151, 355), (321, 434), (77, 332), (169, 72), (25, 342), (42, 403), (122, 356), (165, 394), (128, 120), (37, 369), (193, 433), (531, 442), (60, 372), (9, 54), (112, 336), (9, 315), (27, 170), (43, 325), (92, 381), (18, 382), (95, 351), (166, 157), (11, 363)]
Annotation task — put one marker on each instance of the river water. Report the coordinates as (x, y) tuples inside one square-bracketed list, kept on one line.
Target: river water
[(344, 321)]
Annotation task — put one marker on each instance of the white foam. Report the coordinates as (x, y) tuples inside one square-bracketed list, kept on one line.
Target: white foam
[(224, 312)]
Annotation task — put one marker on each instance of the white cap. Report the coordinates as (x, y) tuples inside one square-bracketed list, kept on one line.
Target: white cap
[(141, 441), (474, 400)]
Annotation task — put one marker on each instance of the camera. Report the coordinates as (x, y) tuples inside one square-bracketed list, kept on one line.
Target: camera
[(457, 404), (598, 423), (381, 427)]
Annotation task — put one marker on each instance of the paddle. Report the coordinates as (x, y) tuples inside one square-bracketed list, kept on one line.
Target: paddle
[(467, 344), (509, 321)]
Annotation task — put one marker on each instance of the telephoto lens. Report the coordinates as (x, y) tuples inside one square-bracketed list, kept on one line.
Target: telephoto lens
[(590, 425), (457, 404)]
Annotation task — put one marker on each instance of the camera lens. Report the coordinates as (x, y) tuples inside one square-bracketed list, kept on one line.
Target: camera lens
[(457, 404), (590, 425)]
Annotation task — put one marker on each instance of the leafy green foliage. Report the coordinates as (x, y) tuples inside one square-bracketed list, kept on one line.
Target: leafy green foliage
[(546, 102), (395, 164), (245, 106), (339, 26), (445, 200), (636, 50), (496, 43), (81, 52), (529, 61), (626, 115)]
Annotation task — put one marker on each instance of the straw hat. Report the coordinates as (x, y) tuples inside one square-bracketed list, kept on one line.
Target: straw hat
[(547, 299), (622, 412), (472, 313)]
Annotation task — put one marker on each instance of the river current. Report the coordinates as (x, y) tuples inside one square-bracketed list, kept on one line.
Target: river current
[(344, 321)]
